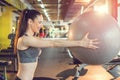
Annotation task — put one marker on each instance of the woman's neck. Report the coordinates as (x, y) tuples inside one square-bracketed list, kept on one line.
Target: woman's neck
[(29, 32)]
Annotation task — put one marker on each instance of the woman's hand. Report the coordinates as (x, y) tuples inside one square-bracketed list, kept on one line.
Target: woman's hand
[(89, 43)]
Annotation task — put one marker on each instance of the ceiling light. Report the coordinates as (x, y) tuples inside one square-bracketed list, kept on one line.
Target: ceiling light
[(38, 0), (101, 9), (42, 6)]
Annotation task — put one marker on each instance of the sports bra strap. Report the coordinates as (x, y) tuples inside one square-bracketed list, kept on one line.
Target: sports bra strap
[(26, 34)]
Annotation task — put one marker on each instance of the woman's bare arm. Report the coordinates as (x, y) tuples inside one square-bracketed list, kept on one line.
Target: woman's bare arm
[(43, 43)]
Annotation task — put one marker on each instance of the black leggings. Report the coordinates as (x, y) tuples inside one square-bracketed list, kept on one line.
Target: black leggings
[(17, 78)]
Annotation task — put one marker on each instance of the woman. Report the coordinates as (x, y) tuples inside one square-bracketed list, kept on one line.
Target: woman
[(27, 45)]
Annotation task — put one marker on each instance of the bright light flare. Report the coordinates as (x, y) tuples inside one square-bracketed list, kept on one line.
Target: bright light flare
[(101, 9)]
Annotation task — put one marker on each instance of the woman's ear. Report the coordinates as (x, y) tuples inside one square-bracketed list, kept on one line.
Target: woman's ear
[(30, 21)]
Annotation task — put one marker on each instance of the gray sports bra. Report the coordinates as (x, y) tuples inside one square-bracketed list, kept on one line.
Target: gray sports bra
[(29, 55)]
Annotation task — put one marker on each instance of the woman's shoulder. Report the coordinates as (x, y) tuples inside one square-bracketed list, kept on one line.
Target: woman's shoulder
[(20, 44), (28, 40), (24, 39)]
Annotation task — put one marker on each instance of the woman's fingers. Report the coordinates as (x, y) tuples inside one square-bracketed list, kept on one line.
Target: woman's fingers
[(92, 43), (94, 39), (93, 47), (86, 35)]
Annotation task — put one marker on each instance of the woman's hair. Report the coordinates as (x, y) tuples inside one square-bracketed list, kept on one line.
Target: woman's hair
[(23, 24)]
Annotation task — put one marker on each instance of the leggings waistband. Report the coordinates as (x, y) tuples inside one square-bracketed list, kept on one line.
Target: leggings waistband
[(17, 78)]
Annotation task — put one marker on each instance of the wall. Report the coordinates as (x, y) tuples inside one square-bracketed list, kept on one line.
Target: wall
[(5, 26)]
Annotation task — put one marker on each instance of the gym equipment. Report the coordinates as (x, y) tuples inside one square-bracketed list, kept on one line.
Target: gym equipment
[(101, 26), (43, 78), (79, 65), (113, 67), (4, 63)]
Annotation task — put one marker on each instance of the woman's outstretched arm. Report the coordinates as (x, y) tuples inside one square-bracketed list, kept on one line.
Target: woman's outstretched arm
[(42, 43)]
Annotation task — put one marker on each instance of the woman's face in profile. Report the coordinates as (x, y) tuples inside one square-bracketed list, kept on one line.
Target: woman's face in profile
[(37, 23)]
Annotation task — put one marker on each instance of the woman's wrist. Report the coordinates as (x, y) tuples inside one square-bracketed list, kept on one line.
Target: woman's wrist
[(82, 43)]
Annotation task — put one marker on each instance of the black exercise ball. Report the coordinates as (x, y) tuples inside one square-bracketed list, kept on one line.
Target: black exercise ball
[(101, 26)]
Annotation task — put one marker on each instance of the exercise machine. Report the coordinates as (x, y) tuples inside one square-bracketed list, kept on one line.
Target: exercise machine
[(4, 64)]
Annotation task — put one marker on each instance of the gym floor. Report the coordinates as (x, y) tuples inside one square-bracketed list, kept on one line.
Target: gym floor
[(54, 65)]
